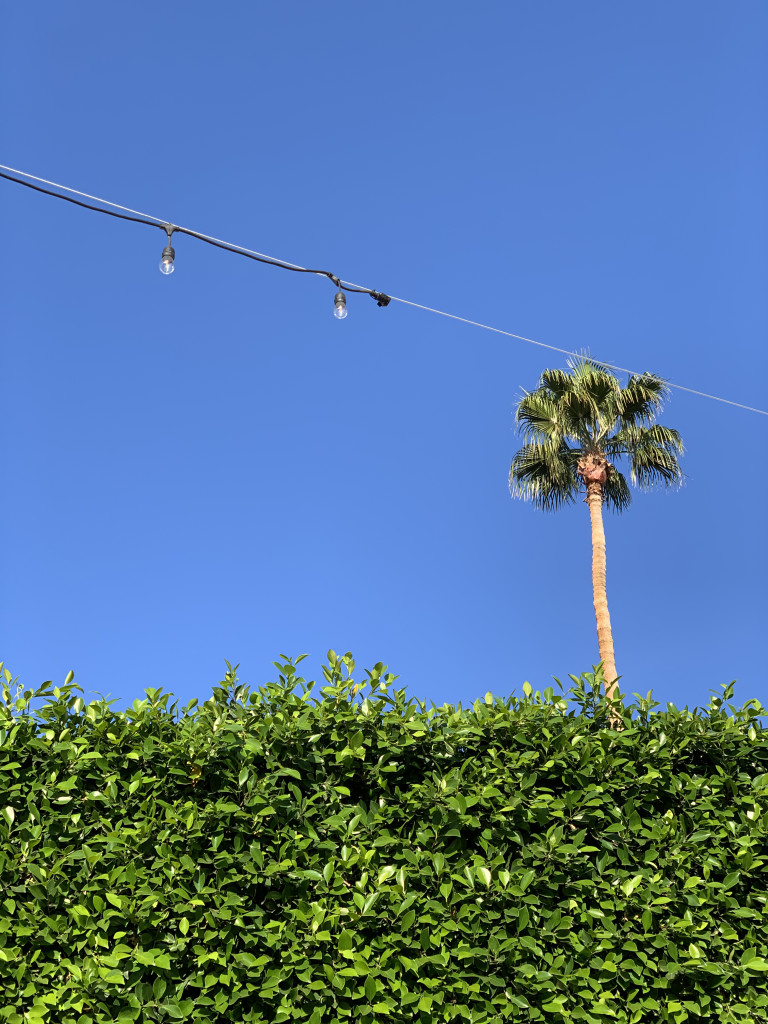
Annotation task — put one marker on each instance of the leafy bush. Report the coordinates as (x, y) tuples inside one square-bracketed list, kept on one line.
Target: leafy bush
[(271, 856)]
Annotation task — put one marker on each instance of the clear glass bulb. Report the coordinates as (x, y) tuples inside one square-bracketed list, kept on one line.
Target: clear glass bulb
[(340, 305), (340, 312), (166, 260)]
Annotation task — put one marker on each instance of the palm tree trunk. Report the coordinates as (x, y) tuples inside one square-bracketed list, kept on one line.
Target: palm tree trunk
[(599, 596)]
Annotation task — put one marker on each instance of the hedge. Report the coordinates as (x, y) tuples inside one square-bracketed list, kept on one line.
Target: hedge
[(274, 856)]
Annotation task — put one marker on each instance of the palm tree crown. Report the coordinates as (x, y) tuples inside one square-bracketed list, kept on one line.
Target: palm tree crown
[(577, 421)]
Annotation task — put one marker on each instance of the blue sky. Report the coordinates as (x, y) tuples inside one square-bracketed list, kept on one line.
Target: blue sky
[(210, 466)]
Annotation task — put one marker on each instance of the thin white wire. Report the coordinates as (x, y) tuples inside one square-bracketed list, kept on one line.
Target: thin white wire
[(394, 298), (568, 352)]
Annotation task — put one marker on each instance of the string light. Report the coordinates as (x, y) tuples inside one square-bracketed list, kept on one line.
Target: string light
[(340, 300), (169, 253), (166, 260)]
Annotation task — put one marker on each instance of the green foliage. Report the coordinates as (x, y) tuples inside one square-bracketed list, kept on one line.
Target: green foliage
[(273, 856)]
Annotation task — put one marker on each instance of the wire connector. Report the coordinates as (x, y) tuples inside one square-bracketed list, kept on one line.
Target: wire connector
[(381, 298)]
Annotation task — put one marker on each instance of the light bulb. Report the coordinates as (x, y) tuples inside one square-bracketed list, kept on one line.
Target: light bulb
[(166, 261), (340, 305)]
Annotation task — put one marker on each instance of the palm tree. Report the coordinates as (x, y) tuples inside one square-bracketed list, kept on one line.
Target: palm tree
[(574, 424)]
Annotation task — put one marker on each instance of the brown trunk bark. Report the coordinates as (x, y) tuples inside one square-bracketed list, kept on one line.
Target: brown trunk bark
[(599, 596)]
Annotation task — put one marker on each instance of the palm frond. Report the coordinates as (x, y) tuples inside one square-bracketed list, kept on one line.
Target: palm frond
[(575, 362), (616, 493), (652, 453), (556, 382), (596, 383), (666, 437), (591, 401), (630, 435), (545, 475), (538, 417), (641, 399)]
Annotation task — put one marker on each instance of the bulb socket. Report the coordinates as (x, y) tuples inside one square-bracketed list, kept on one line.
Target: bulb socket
[(169, 253)]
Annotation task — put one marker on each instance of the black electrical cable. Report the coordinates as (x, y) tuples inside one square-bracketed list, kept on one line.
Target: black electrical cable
[(77, 202), (172, 229), (258, 259), (271, 263)]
